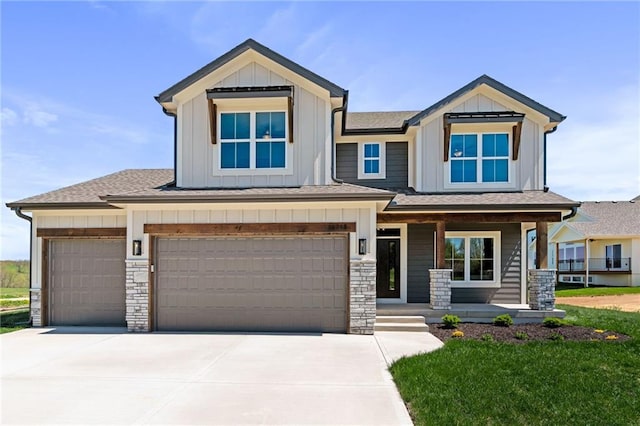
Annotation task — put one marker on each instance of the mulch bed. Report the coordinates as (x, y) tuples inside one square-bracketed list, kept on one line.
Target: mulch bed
[(535, 332)]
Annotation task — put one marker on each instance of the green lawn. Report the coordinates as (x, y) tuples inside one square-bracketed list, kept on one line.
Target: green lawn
[(596, 291), (13, 293), (14, 320), (538, 383)]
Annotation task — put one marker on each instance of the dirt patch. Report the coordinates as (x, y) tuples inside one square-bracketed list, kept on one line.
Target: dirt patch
[(623, 302), (527, 333)]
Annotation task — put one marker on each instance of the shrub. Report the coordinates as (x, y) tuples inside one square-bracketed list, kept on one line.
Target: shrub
[(612, 337), (552, 322), (556, 337), (451, 321), (487, 337), (521, 335), (503, 320), (457, 333)]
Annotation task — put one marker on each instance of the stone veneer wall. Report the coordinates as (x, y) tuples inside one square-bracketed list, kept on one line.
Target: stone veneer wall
[(137, 295), (36, 307), (542, 286), (362, 300), (440, 288)]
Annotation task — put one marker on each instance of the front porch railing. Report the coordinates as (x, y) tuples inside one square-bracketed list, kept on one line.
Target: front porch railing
[(596, 264)]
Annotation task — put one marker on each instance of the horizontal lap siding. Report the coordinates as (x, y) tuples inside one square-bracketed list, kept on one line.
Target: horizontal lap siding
[(419, 261), (396, 165)]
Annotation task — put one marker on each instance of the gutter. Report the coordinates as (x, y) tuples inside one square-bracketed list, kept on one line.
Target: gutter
[(152, 199), (544, 172), (18, 212), (343, 109), (443, 208), (175, 141), (574, 211)]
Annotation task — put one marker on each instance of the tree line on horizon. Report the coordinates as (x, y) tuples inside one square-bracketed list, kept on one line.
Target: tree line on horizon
[(14, 273)]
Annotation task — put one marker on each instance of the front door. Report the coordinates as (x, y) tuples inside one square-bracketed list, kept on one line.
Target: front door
[(388, 268)]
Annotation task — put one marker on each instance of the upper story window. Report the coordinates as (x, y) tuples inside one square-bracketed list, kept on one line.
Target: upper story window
[(253, 140), (371, 160), (479, 157), (473, 257)]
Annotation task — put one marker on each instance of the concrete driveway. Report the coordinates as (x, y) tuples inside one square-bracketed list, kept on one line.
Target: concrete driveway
[(94, 376)]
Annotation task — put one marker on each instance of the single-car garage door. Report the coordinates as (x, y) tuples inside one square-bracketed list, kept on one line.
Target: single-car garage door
[(252, 283), (87, 282)]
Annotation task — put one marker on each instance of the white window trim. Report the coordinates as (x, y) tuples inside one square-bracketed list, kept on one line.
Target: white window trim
[(252, 169), (509, 184), (496, 258), (382, 171)]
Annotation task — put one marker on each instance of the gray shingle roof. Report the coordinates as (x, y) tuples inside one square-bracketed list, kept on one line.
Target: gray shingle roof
[(377, 120), (610, 218), (536, 200), (153, 185)]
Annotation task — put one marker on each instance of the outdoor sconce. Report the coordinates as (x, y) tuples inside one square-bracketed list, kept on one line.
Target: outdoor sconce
[(362, 246), (137, 247)]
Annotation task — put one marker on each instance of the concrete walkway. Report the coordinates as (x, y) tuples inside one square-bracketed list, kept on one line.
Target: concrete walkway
[(107, 376)]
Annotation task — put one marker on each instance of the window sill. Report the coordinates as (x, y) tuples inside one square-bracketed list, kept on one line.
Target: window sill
[(475, 284)]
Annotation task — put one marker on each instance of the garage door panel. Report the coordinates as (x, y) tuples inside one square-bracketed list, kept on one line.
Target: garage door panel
[(87, 282), (254, 284)]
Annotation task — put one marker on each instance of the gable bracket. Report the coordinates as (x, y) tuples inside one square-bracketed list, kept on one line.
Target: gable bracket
[(447, 139), (212, 120), (517, 133)]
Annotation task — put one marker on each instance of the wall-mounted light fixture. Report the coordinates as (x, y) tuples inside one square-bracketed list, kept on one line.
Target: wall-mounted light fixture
[(137, 247), (362, 246)]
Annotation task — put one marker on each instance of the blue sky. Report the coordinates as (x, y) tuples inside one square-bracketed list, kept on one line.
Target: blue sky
[(78, 78)]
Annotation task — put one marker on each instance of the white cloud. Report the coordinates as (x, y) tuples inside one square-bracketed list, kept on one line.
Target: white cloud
[(598, 160), (37, 117), (8, 117)]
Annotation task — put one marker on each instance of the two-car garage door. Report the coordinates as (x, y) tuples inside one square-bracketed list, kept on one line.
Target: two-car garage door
[(270, 283)]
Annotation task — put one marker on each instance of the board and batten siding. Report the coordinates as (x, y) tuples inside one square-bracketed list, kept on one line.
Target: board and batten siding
[(93, 220), (364, 217), (526, 173), (421, 255), (198, 158), (397, 160)]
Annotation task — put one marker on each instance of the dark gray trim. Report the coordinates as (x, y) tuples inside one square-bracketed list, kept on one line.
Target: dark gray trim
[(250, 92), (379, 131), (155, 199), (554, 116), (167, 95), (483, 117), (61, 206), (481, 207)]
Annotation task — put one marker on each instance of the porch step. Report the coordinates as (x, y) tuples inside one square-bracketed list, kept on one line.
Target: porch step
[(401, 323)]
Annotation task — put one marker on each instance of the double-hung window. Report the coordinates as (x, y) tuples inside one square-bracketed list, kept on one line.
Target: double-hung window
[(253, 140), (371, 160), (473, 258), (479, 157)]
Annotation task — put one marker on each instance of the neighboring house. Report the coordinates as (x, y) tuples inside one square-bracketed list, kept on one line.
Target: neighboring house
[(600, 245), (286, 212)]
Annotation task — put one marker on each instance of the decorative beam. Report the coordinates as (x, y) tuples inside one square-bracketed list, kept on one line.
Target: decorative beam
[(440, 245), (515, 217), (447, 140), (212, 120), (81, 232), (542, 245), (249, 228), (517, 132)]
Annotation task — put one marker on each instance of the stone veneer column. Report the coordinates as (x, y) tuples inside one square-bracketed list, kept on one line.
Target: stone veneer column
[(362, 300), (542, 289), (36, 307), (137, 295), (440, 288)]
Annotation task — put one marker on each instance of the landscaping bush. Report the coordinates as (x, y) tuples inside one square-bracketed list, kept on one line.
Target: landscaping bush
[(451, 321), (487, 338), (552, 322), (503, 320), (521, 335)]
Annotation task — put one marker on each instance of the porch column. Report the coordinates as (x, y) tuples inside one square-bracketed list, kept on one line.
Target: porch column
[(137, 295), (440, 278), (542, 288), (362, 296), (542, 245), (440, 245)]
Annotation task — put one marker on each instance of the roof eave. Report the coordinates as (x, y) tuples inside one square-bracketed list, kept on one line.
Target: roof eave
[(481, 207), (245, 199), (61, 206)]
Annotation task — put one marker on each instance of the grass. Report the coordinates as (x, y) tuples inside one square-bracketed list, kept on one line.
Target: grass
[(13, 293), (541, 383), (596, 291), (14, 320)]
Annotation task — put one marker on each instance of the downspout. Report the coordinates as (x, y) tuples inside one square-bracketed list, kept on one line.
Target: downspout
[(343, 109), (29, 219), (544, 172), (175, 143)]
